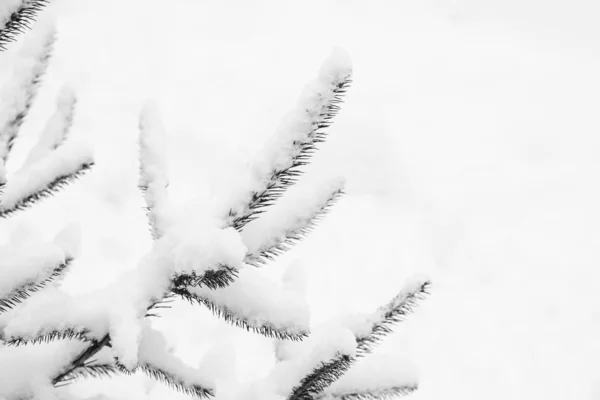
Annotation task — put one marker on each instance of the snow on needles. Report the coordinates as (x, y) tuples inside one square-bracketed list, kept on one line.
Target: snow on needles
[(28, 265), (67, 160), (7, 7), (56, 129), (153, 170), (154, 353), (18, 93), (27, 371), (260, 302), (119, 308), (300, 128)]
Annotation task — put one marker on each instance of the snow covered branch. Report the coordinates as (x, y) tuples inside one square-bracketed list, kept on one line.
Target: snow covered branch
[(321, 378), (296, 140), (45, 177), (388, 393), (56, 129), (26, 270), (256, 304), (27, 370), (278, 230), (205, 260), (18, 95), (367, 332), (16, 16), (153, 175), (50, 165), (392, 313)]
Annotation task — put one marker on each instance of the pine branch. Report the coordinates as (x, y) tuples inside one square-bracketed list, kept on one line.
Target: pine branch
[(81, 360), (388, 315), (23, 292), (51, 189), (212, 278), (91, 370), (321, 378), (280, 241), (69, 333), (20, 20), (317, 116), (375, 394), (20, 100), (235, 319), (392, 313), (176, 383), (153, 181), (57, 128)]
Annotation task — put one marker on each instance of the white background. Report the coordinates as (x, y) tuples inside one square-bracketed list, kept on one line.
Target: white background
[(470, 144)]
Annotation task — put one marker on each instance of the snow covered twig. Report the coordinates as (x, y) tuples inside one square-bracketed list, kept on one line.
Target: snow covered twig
[(388, 393), (255, 304), (392, 313), (18, 95), (153, 175), (16, 16), (27, 270), (367, 334), (56, 129), (296, 139), (45, 177), (276, 232)]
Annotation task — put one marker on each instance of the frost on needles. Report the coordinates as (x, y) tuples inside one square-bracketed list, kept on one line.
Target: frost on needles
[(208, 257)]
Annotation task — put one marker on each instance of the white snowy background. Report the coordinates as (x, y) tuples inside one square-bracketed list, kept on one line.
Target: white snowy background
[(470, 145)]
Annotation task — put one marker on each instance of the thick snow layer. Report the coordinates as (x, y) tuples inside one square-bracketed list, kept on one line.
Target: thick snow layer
[(289, 220), (28, 370), (325, 343), (28, 265), (65, 161), (154, 353), (470, 144), (56, 129), (377, 371), (260, 301), (119, 307), (299, 126), (18, 92), (153, 170)]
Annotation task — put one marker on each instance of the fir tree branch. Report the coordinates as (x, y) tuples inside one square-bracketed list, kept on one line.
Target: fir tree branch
[(153, 180), (235, 319), (59, 183), (20, 99), (57, 128), (19, 20), (81, 360), (69, 333), (281, 240), (212, 278), (374, 394), (392, 313), (18, 295), (168, 379), (321, 378), (90, 370), (318, 115)]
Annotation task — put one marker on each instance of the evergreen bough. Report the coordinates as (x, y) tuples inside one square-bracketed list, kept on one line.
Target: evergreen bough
[(301, 135)]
